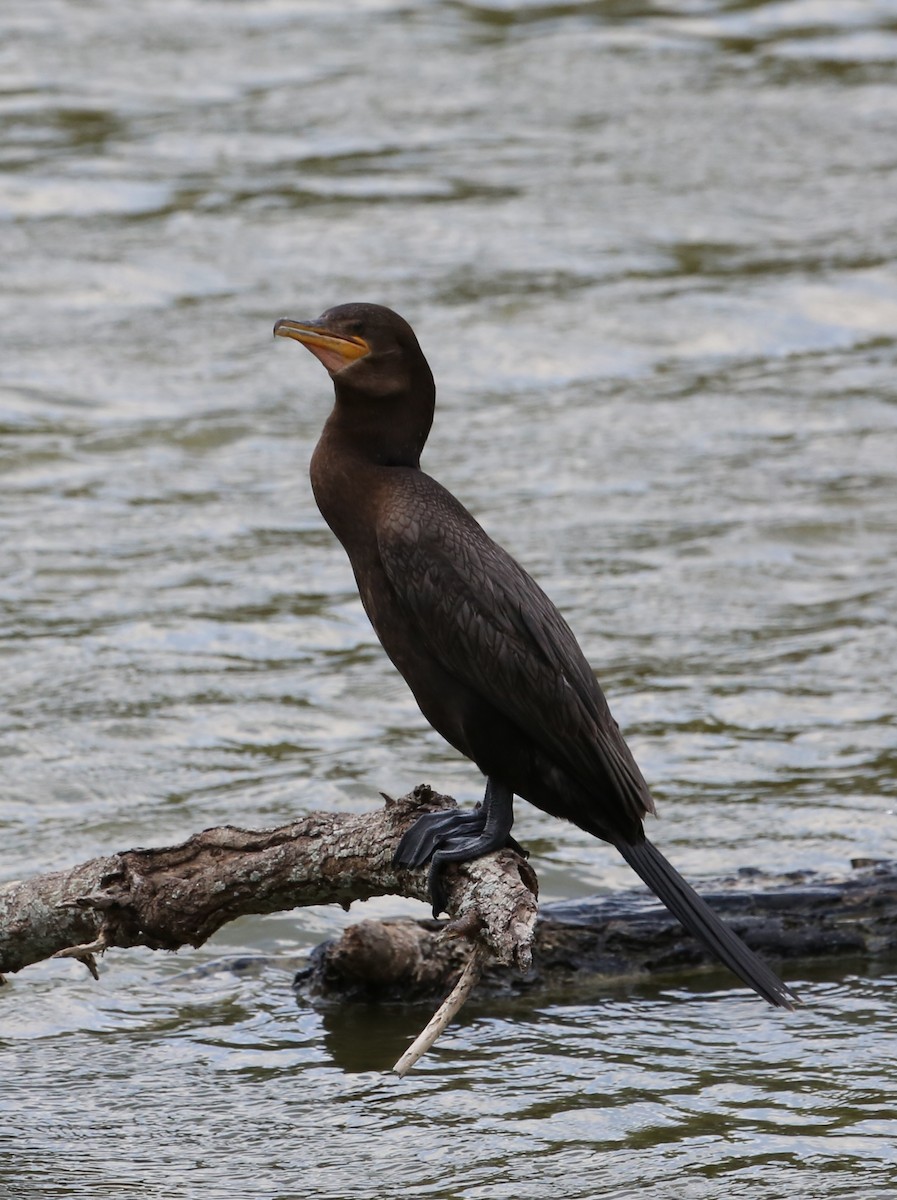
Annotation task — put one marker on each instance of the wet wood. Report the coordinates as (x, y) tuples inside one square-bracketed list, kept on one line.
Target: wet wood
[(803, 916)]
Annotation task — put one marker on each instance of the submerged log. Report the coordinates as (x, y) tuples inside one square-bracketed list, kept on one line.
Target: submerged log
[(630, 935)]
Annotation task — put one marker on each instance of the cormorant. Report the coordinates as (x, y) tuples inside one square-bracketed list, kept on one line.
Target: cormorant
[(492, 664)]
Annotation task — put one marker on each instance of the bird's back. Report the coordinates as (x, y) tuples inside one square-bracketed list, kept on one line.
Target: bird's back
[(474, 612)]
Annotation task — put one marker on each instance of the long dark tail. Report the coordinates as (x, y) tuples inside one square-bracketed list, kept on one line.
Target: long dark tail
[(699, 919)]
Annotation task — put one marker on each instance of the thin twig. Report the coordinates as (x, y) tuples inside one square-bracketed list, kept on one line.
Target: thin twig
[(85, 954), (443, 1015)]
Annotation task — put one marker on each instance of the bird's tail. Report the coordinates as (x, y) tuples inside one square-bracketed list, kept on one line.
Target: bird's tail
[(699, 919)]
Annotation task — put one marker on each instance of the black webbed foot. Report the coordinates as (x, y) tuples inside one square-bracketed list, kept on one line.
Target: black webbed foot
[(458, 849), (458, 837), (430, 831)]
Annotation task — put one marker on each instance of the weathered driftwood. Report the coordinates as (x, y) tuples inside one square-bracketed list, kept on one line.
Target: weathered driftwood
[(176, 896), (180, 895), (628, 935)]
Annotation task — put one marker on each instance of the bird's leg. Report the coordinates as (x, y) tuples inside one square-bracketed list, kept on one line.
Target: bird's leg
[(458, 837)]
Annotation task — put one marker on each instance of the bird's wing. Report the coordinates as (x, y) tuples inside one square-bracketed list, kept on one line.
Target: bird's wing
[(490, 625)]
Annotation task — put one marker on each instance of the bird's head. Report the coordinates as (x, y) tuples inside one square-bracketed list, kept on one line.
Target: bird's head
[(368, 349), (384, 387)]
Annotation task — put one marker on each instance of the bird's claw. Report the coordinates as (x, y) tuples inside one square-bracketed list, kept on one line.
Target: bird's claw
[(444, 837)]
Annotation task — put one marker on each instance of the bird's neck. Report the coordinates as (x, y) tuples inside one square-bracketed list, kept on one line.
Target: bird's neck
[(386, 428), (365, 433), (353, 465)]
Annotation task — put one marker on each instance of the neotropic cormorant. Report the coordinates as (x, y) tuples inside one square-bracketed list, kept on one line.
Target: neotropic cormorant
[(491, 662)]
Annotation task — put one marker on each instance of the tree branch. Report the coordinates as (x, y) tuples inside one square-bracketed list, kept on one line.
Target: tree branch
[(180, 895)]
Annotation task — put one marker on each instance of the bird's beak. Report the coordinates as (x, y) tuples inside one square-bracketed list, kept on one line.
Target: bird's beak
[(335, 350)]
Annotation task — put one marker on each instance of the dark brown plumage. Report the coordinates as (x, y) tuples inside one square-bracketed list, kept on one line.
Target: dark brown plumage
[(491, 662)]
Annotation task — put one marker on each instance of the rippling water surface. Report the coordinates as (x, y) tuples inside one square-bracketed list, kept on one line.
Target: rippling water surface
[(651, 252)]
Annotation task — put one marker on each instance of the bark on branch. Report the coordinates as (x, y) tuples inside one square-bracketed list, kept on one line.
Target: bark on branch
[(180, 895)]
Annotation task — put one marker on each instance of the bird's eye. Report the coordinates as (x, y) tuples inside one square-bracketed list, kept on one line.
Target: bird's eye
[(355, 328)]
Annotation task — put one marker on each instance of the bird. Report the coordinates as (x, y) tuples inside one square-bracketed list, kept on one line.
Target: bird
[(492, 664)]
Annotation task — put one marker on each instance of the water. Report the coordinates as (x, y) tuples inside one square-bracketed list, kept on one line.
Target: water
[(651, 253)]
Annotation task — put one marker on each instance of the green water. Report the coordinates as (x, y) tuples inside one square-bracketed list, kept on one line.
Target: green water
[(651, 253)]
